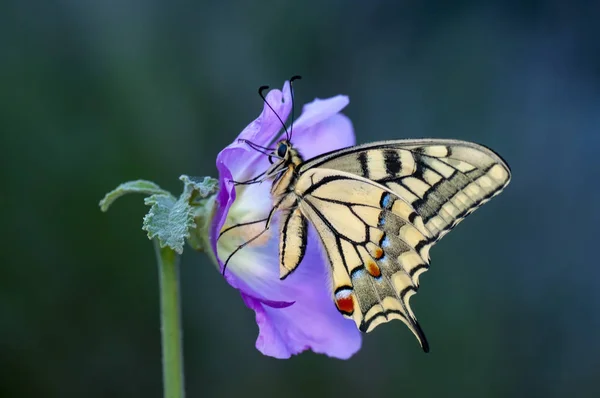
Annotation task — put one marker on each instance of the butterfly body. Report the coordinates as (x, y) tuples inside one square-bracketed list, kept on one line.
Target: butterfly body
[(378, 209)]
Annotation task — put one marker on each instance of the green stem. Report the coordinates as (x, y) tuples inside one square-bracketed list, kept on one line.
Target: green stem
[(170, 314)]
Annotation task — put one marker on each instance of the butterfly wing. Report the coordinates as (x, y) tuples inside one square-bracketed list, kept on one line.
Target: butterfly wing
[(372, 241), (378, 209), (444, 180)]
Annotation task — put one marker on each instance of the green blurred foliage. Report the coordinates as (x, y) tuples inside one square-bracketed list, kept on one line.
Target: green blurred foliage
[(94, 93)]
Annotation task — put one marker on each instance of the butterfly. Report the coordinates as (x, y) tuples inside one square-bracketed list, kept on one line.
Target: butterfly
[(378, 209)]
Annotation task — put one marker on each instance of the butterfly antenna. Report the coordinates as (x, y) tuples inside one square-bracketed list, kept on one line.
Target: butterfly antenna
[(245, 141), (258, 148), (296, 77), (260, 92)]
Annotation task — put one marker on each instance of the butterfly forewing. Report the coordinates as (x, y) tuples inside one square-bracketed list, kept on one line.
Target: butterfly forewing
[(443, 180)]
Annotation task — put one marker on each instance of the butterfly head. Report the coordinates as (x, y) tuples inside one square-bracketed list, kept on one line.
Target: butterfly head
[(283, 157), (281, 151)]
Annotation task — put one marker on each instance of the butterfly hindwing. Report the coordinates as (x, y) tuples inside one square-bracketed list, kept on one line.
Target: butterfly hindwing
[(371, 241), (292, 242)]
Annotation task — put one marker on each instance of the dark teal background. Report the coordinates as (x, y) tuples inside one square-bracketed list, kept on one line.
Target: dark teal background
[(94, 93)]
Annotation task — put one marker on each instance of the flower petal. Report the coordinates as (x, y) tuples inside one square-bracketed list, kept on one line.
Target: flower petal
[(298, 313), (223, 201), (236, 159), (312, 322), (254, 200), (318, 111), (262, 130), (336, 132)]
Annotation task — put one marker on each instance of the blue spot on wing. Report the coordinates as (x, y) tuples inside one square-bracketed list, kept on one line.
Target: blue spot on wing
[(385, 200), (385, 242), (358, 272)]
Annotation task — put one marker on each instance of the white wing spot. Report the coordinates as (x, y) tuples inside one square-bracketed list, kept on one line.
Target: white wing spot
[(498, 172)]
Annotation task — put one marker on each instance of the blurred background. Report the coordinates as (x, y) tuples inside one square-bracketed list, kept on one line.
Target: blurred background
[(94, 93)]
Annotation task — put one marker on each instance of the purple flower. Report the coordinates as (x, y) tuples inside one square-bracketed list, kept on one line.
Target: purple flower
[(297, 313)]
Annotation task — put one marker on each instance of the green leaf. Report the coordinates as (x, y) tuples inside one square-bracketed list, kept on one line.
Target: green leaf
[(203, 201), (138, 186), (172, 221), (198, 188)]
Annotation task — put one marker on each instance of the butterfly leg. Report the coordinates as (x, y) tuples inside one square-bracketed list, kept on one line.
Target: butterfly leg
[(243, 224), (254, 180), (267, 225)]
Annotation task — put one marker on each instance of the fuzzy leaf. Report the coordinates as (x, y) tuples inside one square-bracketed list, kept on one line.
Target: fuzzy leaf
[(202, 200), (138, 186), (171, 221)]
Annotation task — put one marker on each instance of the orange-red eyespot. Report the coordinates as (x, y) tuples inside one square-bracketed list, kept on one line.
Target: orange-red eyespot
[(377, 253), (373, 269), (344, 302)]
